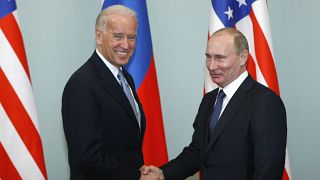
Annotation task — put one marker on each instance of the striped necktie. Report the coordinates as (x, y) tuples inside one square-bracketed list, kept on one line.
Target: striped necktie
[(127, 91)]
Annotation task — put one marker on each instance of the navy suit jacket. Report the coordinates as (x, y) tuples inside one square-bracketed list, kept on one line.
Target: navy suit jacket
[(102, 133), (248, 142)]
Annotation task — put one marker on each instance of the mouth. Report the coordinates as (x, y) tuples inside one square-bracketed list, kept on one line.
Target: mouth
[(215, 75), (121, 52)]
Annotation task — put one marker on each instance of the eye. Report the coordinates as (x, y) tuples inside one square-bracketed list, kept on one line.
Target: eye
[(118, 37), (132, 37), (218, 58)]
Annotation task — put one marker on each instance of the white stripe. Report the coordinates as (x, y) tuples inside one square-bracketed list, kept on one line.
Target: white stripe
[(16, 149), (287, 164), (18, 78), (261, 12), (214, 22), (15, 14)]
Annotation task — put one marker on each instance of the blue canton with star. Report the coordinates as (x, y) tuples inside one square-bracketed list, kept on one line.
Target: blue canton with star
[(231, 11), (7, 7)]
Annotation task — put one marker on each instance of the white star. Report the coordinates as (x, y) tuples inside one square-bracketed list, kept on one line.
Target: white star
[(242, 2), (229, 13)]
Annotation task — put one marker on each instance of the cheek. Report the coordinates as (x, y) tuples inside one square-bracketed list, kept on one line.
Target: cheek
[(132, 45), (112, 45), (223, 66)]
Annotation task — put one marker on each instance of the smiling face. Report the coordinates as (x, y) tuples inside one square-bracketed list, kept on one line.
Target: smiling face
[(223, 61), (117, 41)]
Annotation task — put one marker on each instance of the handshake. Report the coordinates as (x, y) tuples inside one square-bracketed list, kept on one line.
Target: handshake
[(151, 173)]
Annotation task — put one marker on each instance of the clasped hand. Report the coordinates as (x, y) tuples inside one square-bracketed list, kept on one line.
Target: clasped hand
[(151, 173)]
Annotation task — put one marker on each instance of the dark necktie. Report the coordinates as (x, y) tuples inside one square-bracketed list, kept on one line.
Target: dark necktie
[(127, 91), (217, 110)]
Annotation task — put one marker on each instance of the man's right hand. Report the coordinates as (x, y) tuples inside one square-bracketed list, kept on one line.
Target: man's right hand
[(151, 173)]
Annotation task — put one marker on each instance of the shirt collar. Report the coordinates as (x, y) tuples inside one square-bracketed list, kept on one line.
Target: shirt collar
[(114, 70), (231, 88)]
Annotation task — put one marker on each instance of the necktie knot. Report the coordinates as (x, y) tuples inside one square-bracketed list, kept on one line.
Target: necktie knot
[(221, 94)]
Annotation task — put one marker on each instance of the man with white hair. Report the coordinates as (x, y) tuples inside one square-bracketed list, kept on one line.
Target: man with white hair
[(103, 119)]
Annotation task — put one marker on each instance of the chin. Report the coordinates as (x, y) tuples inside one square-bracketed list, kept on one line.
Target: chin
[(215, 80), (123, 62)]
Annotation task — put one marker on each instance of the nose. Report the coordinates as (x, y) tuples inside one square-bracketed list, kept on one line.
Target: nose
[(125, 43), (211, 64)]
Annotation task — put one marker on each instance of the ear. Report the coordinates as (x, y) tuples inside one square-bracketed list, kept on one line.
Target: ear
[(98, 37), (244, 55)]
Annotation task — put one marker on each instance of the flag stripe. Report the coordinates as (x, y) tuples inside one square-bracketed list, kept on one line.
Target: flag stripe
[(251, 67), (264, 56), (19, 136), (10, 28), (153, 113), (21, 121), (7, 169), (246, 27), (17, 77), (16, 149), (262, 15), (214, 22), (285, 175)]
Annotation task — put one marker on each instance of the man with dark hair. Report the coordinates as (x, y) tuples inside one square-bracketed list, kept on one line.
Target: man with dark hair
[(240, 130)]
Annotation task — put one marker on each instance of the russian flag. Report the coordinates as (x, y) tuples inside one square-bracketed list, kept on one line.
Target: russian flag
[(142, 67)]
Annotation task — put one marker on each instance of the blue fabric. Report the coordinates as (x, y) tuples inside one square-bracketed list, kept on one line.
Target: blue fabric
[(239, 11), (7, 7), (217, 110), (140, 61)]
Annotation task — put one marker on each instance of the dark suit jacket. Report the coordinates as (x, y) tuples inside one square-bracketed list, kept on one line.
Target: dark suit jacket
[(103, 136), (248, 142)]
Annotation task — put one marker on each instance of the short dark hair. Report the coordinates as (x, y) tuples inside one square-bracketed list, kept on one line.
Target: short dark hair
[(240, 41)]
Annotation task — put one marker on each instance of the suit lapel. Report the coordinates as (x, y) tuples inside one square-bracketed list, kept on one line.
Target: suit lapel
[(110, 84), (231, 109)]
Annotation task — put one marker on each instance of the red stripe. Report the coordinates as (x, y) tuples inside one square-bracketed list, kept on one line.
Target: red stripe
[(251, 67), (264, 56), (7, 169), (154, 145), (21, 121), (285, 175), (10, 28), (266, 63)]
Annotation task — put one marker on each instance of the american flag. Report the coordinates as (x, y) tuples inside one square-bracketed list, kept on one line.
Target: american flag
[(252, 19), (21, 155)]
